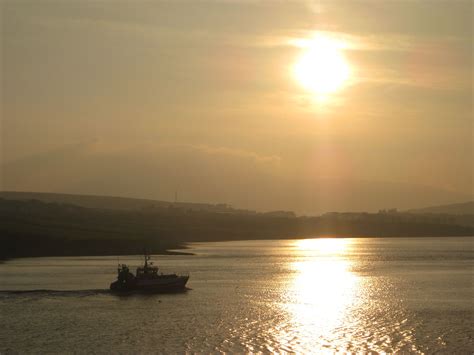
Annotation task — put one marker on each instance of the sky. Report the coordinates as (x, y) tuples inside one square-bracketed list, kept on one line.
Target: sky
[(148, 98)]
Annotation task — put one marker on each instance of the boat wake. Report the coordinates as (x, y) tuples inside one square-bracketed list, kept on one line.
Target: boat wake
[(45, 292), (83, 293)]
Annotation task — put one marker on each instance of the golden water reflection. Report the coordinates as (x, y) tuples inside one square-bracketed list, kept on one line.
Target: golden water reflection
[(321, 293)]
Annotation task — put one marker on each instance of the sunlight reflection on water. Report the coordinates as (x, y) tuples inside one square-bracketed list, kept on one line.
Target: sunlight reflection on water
[(321, 293), (332, 308)]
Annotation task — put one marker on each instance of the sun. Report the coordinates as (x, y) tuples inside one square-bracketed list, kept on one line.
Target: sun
[(322, 68)]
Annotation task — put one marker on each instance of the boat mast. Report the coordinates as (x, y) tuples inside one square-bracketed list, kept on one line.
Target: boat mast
[(147, 257)]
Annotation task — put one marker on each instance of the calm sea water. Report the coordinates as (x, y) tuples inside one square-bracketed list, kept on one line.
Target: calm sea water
[(307, 296)]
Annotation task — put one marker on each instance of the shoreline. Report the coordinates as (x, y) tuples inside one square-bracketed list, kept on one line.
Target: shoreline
[(169, 251), (177, 250)]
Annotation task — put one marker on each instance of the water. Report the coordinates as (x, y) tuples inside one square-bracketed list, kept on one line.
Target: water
[(307, 296)]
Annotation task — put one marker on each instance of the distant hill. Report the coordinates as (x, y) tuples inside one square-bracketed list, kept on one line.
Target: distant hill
[(89, 201), (36, 228), (116, 203), (456, 208)]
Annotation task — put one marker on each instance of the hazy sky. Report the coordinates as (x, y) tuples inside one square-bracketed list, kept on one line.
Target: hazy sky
[(143, 98)]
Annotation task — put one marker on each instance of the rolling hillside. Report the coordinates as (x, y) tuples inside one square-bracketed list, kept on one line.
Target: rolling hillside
[(112, 202), (456, 208)]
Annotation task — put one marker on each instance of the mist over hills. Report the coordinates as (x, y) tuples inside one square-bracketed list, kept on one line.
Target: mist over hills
[(128, 203), (455, 208), (245, 179), (105, 202)]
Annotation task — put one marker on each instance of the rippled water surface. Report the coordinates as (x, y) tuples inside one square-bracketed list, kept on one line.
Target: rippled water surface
[(308, 296)]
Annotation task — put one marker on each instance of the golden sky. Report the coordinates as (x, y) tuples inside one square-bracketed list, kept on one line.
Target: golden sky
[(304, 105)]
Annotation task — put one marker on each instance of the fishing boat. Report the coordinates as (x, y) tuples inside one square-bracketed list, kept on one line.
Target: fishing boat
[(147, 278)]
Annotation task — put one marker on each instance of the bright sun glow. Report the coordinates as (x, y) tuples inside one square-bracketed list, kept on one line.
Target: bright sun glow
[(322, 68)]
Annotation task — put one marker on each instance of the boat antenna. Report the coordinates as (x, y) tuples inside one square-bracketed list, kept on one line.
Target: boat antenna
[(146, 257)]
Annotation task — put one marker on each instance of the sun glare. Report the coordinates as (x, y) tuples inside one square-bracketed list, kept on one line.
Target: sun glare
[(323, 246), (321, 293), (322, 68)]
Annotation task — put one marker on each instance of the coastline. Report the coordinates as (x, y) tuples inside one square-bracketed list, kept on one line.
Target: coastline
[(168, 251), (37, 229), (178, 249)]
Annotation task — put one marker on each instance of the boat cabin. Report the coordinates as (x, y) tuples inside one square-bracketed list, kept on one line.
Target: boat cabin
[(147, 270)]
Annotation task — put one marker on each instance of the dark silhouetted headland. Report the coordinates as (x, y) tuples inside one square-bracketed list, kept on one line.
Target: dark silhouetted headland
[(38, 228)]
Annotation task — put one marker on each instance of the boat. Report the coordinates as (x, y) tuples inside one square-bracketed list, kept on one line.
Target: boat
[(147, 278)]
